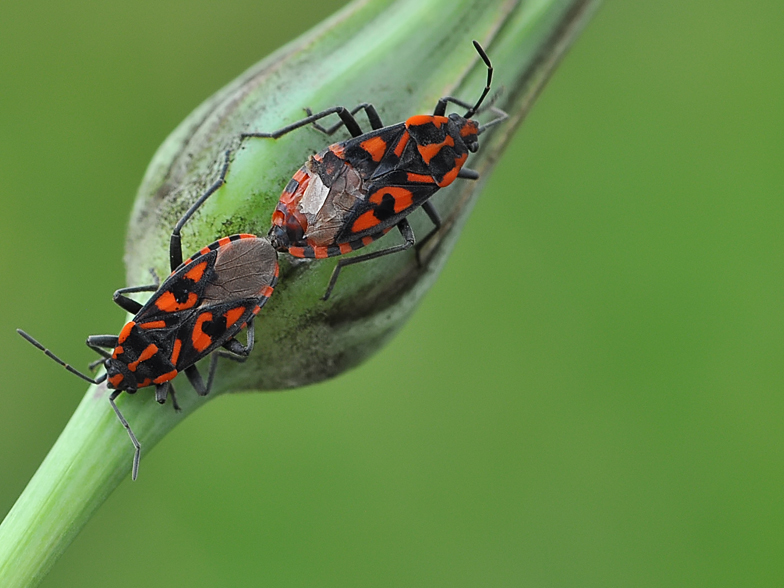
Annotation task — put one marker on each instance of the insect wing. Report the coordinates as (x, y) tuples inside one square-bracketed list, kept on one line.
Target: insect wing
[(180, 293), (385, 206), (241, 281)]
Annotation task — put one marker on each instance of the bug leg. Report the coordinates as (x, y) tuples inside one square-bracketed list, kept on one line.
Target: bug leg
[(155, 279), (175, 244), (236, 350), (468, 174), (128, 304), (96, 343), (161, 392), (405, 231), (500, 115), (174, 398), (52, 356), (137, 446), (440, 109), (373, 118), (351, 124), (431, 211), (95, 363), (194, 377)]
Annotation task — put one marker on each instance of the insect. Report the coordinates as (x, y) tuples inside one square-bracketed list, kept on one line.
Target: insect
[(355, 191), (199, 309)]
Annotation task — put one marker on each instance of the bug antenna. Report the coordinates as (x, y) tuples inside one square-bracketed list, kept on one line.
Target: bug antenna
[(472, 111), (137, 446), (51, 355)]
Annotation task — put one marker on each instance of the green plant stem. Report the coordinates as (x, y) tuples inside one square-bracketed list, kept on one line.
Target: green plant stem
[(372, 50)]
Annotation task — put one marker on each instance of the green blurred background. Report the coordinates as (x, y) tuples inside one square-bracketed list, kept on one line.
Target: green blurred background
[(591, 394)]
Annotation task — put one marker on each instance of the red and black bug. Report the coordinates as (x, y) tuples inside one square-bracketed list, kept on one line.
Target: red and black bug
[(355, 191), (199, 309)]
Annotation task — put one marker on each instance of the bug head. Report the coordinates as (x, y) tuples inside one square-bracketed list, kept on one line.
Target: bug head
[(468, 130), (286, 229), (119, 377)]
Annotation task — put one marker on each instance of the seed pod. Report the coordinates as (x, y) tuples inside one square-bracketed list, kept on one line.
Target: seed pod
[(303, 339)]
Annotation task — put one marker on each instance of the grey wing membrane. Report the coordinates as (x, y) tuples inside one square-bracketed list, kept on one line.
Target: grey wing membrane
[(241, 281)]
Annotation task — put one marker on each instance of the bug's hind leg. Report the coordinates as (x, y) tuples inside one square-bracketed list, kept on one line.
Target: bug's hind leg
[(345, 116), (373, 118), (408, 235)]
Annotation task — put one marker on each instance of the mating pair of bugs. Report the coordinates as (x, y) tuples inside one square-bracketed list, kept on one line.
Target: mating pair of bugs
[(344, 197)]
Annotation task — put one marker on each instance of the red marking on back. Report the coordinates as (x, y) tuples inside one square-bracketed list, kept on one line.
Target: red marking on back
[(345, 248), (401, 144), (165, 377), (224, 241), (176, 351), (168, 303), (297, 251), (367, 240), (126, 330), (428, 152), (366, 220), (402, 197), (450, 176), (233, 315), (117, 351), (267, 292), (204, 250), (153, 325), (423, 119), (201, 340), (320, 252), (145, 382), (420, 179), (278, 218), (338, 150), (148, 352), (375, 146), (256, 310), (115, 380), (300, 175), (196, 272)]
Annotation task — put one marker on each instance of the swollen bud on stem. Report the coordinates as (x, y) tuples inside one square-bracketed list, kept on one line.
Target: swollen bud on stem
[(306, 339)]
